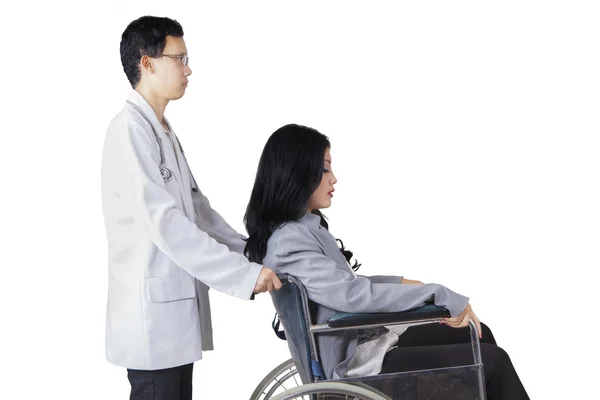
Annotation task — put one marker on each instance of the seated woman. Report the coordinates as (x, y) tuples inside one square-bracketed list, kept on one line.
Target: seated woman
[(287, 231)]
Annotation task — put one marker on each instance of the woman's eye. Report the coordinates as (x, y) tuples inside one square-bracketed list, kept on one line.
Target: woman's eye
[(325, 170)]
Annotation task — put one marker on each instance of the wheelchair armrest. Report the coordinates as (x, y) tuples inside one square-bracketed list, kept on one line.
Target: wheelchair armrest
[(430, 311)]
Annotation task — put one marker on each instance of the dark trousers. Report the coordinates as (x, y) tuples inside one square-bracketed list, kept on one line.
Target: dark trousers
[(163, 384), (438, 346)]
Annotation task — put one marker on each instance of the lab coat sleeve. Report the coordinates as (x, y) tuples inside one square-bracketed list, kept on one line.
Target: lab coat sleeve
[(338, 289), (215, 225), (172, 232)]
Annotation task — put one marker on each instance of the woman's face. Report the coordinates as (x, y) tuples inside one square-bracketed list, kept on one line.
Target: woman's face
[(321, 197)]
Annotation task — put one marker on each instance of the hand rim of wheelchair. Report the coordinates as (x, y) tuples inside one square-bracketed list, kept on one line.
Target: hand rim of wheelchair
[(331, 387), (264, 385)]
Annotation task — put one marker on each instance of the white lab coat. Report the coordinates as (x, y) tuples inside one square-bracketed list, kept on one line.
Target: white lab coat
[(166, 246)]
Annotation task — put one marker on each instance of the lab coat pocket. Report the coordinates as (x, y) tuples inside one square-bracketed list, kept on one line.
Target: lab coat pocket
[(164, 290)]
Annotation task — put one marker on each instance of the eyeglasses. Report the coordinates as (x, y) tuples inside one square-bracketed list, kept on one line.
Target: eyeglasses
[(183, 58)]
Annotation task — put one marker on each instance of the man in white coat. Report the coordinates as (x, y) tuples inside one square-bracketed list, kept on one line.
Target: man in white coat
[(166, 245)]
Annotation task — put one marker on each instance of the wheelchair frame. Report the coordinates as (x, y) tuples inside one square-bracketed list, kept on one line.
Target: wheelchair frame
[(343, 321)]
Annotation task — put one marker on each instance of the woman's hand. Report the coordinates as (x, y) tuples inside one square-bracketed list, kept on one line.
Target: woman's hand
[(411, 282), (463, 320)]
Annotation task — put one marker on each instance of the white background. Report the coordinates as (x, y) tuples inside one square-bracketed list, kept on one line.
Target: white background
[(464, 138)]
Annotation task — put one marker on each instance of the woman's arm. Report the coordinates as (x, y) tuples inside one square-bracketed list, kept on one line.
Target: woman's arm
[(411, 282), (391, 279), (298, 254), (384, 278)]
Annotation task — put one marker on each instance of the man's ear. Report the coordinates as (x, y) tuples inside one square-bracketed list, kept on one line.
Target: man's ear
[(147, 64)]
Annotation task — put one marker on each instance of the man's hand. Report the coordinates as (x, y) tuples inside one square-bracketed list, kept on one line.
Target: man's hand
[(267, 281), (411, 282)]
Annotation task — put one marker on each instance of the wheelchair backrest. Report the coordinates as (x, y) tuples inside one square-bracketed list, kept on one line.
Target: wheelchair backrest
[(292, 306)]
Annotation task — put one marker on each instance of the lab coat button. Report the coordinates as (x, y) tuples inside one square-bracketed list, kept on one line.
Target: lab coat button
[(230, 291), (237, 293)]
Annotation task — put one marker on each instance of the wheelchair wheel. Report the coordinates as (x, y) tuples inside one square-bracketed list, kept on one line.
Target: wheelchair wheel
[(281, 378), (331, 391)]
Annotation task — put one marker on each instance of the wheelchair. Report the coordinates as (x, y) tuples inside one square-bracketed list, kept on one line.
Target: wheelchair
[(302, 377)]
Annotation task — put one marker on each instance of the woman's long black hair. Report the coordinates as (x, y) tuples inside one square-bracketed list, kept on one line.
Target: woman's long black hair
[(289, 171)]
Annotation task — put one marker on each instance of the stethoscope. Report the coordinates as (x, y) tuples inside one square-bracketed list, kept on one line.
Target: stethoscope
[(165, 171)]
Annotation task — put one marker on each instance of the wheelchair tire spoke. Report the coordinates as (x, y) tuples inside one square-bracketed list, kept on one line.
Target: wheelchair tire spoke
[(295, 380)]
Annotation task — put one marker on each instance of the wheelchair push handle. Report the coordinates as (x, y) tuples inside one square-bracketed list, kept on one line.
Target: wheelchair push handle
[(284, 279)]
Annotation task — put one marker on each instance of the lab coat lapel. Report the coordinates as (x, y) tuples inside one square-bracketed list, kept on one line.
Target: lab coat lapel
[(185, 175), (168, 150)]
